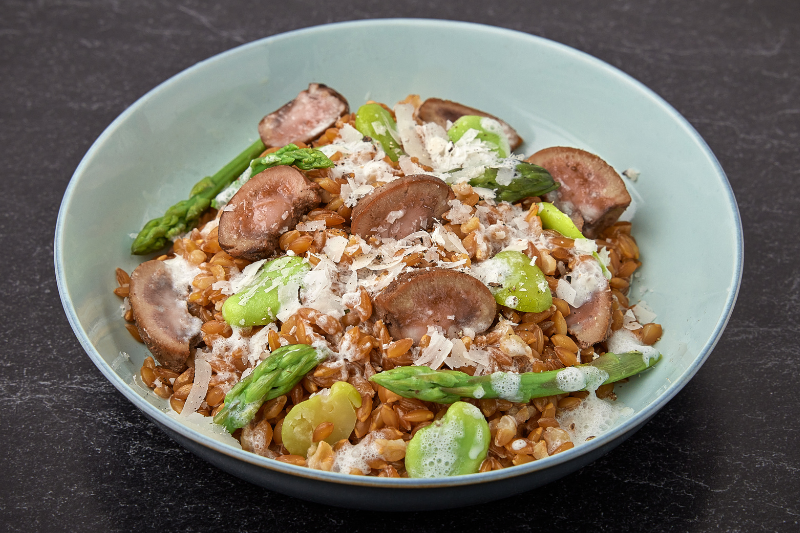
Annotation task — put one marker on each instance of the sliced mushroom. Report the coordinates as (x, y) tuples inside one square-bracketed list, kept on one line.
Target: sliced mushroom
[(591, 191), (401, 207), (440, 297), (440, 111), (271, 203), (161, 315), (590, 321), (305, 118)]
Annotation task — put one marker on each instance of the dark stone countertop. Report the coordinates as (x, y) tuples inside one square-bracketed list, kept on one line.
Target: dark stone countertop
[(724, 455)]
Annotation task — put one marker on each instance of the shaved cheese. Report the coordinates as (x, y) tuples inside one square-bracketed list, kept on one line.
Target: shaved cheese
[(587, 246), (437, 350), (349, 134), (318, 290), (410, 138), (505, 176), (202, 375), (448, 240), (565, 291), (459, 213), (363, 260), (311, 225), (408, 167), (643, 313), (585, 279), (457, 357), (288, 299), (244, 278), (334, 247), (629, 321)]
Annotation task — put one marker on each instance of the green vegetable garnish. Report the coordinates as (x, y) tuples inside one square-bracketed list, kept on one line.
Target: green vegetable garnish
[(448, 386), (274, 376), (338, 407), (555, 219), (523, 287), (452, 446), (489, 131), (531, 180), (258, 303), (373, 121), (182, 216), (302, 158)]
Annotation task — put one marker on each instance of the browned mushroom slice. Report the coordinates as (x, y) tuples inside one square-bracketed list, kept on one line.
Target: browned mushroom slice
[(591, 191), (440, 111), (401, 207), (305, 118), (271, 203), (440, 297), (161, 315), (591, 320)]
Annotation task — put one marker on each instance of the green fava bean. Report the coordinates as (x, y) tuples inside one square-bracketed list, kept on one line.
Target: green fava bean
[(553, 218), (375, 122), (489, 131), (338, 406), (523, 286), (258, 303), (452, 446)]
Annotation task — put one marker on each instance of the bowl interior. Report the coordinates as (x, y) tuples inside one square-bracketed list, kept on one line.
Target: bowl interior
[(686, 221)]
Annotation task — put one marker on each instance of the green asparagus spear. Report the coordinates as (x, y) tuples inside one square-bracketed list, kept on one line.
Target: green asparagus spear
[(448, 386), (181, 216), (302, 158), (532, 180), (274, 376)]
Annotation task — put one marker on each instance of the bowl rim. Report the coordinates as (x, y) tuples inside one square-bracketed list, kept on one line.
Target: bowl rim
[(605, 440)]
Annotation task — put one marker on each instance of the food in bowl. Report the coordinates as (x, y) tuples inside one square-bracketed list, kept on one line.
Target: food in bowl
[(393, 292)]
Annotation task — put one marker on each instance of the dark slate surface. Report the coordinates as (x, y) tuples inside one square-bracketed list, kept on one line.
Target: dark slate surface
[(722, 456)]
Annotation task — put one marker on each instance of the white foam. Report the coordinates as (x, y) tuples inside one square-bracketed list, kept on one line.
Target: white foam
[(506, 385), (592, 418)]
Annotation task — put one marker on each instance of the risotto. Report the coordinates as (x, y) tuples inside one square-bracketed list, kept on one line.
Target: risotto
[(395, 293)]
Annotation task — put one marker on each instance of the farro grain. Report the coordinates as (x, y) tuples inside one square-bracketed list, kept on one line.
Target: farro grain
[(297, 460), (569, 402), (133, 331), (651, 332), (122, 291), (176, 404), (562, 306), (322, 431), (565, 342), (567, 357), (559, 323), (148, 376)]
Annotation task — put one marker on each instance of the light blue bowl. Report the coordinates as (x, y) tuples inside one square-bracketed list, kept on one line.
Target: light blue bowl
[(687, 223)]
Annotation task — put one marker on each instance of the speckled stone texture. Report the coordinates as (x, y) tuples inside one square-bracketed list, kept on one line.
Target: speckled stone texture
[(724, 455)]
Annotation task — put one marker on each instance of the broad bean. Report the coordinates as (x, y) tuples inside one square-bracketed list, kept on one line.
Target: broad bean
[(553, 218), (489, 131), (258, 303), (337, 406), (452, 446), (523, 285)]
